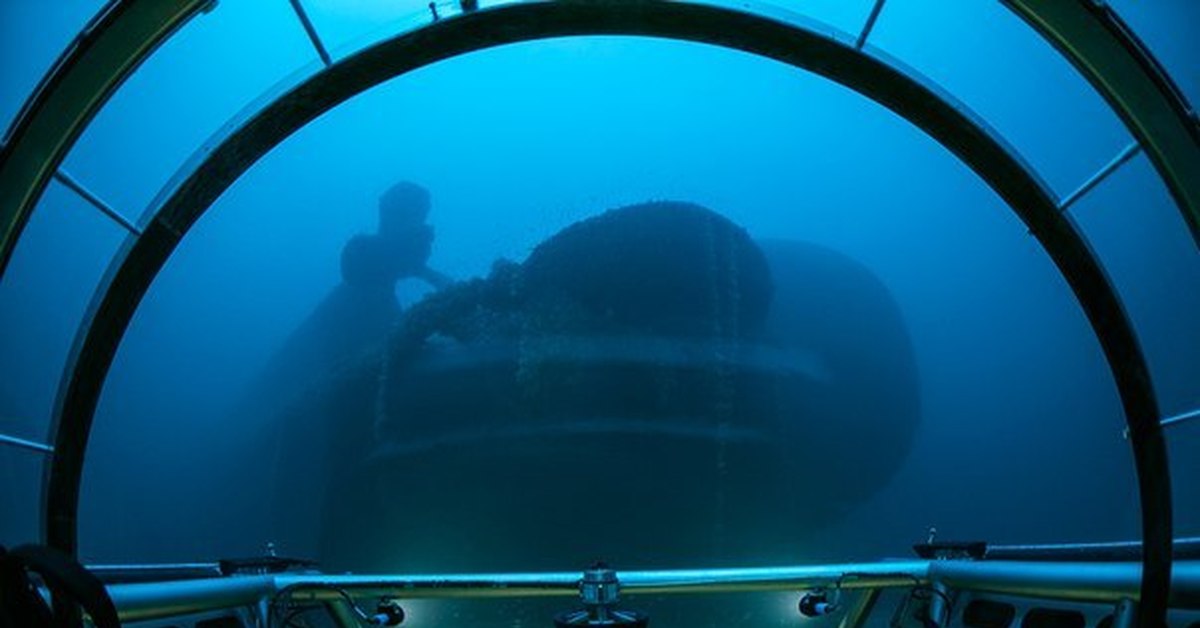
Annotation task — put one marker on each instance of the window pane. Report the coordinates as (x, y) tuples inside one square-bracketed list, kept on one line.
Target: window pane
[(20, 501), (992, 61), (1148, 251), (44, 293), (1002, 373), (218, 63), (1183, 449), (24, 59)]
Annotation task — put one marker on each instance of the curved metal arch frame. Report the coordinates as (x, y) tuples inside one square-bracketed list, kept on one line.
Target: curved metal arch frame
[(831, 56), (110, 48), (1094, 38)]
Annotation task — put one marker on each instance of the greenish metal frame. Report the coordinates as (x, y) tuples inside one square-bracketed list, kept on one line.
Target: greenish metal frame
[(108, 50), (128, 31), (1105, 51), (1092, 36)]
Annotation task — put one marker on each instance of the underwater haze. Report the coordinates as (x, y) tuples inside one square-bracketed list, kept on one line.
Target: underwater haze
[(665, 305)]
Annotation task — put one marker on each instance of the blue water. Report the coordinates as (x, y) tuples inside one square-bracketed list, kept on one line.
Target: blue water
[(1018, 438)]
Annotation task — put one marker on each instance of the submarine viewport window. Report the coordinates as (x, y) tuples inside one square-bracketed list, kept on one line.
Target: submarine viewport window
[(649, 302), (718, 295)]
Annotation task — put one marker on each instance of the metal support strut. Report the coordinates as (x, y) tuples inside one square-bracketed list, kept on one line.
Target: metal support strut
[(25, 444), (1125, 614), (1181, 418), (95, 201), (311, 32), (1172, 420), (866, 30), (939, 604), (1127, 153)]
